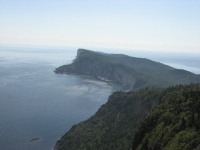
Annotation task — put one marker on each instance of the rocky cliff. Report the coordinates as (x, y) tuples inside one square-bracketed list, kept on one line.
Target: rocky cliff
[(128, 71), (99, 66)]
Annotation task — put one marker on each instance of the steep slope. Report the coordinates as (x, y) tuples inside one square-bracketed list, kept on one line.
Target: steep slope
[(128, 71), (175, 124), (113, 125)]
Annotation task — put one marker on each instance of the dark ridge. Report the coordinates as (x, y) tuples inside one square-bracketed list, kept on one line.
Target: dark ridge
[(131, 72)]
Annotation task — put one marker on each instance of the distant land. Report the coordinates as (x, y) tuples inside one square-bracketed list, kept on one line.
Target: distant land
[(131, 72), (161, 111)]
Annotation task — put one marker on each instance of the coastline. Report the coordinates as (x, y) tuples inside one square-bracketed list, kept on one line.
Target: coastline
[(112, 83)]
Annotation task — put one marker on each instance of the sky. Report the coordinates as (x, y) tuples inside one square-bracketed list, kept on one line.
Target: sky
[(163, 25)]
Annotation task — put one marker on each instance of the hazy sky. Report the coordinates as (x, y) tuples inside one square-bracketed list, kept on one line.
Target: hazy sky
[(172, 25)]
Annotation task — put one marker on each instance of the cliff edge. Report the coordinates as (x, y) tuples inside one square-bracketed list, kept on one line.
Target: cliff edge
[(130, 72)]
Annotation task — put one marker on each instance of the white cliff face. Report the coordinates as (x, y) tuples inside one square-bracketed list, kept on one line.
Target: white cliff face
[(116, 73), (124, 77)]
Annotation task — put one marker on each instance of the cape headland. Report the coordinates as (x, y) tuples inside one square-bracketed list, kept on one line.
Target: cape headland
[(131, 72), (150, 116)]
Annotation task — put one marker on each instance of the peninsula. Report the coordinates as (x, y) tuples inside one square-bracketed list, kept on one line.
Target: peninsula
[(131, 72), (150, 116)]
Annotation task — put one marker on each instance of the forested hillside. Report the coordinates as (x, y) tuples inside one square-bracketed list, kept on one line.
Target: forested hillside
[(172, 122), (113, 125), (131, 72)]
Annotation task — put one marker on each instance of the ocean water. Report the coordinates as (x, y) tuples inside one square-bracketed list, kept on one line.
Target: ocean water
[(37, 103)]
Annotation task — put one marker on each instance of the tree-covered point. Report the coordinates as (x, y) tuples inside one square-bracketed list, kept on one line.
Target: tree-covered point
[(132, 72), (174, 124)]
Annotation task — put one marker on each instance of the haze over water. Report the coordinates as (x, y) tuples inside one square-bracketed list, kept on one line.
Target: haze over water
[(36, 102)]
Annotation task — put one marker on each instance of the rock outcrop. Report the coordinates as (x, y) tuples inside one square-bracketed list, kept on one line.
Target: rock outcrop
[(128, 71)]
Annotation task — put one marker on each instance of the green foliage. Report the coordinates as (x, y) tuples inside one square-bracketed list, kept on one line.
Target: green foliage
[(174, 124), (113, 125), (171, 121), (125, 70)]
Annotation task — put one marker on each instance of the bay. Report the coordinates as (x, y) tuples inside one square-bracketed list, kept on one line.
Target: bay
[(37, 103)]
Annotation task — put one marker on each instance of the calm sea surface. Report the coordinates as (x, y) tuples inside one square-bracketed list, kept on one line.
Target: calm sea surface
[(37, 103)]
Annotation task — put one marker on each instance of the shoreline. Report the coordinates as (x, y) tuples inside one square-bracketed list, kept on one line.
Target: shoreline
[(112, 83)]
